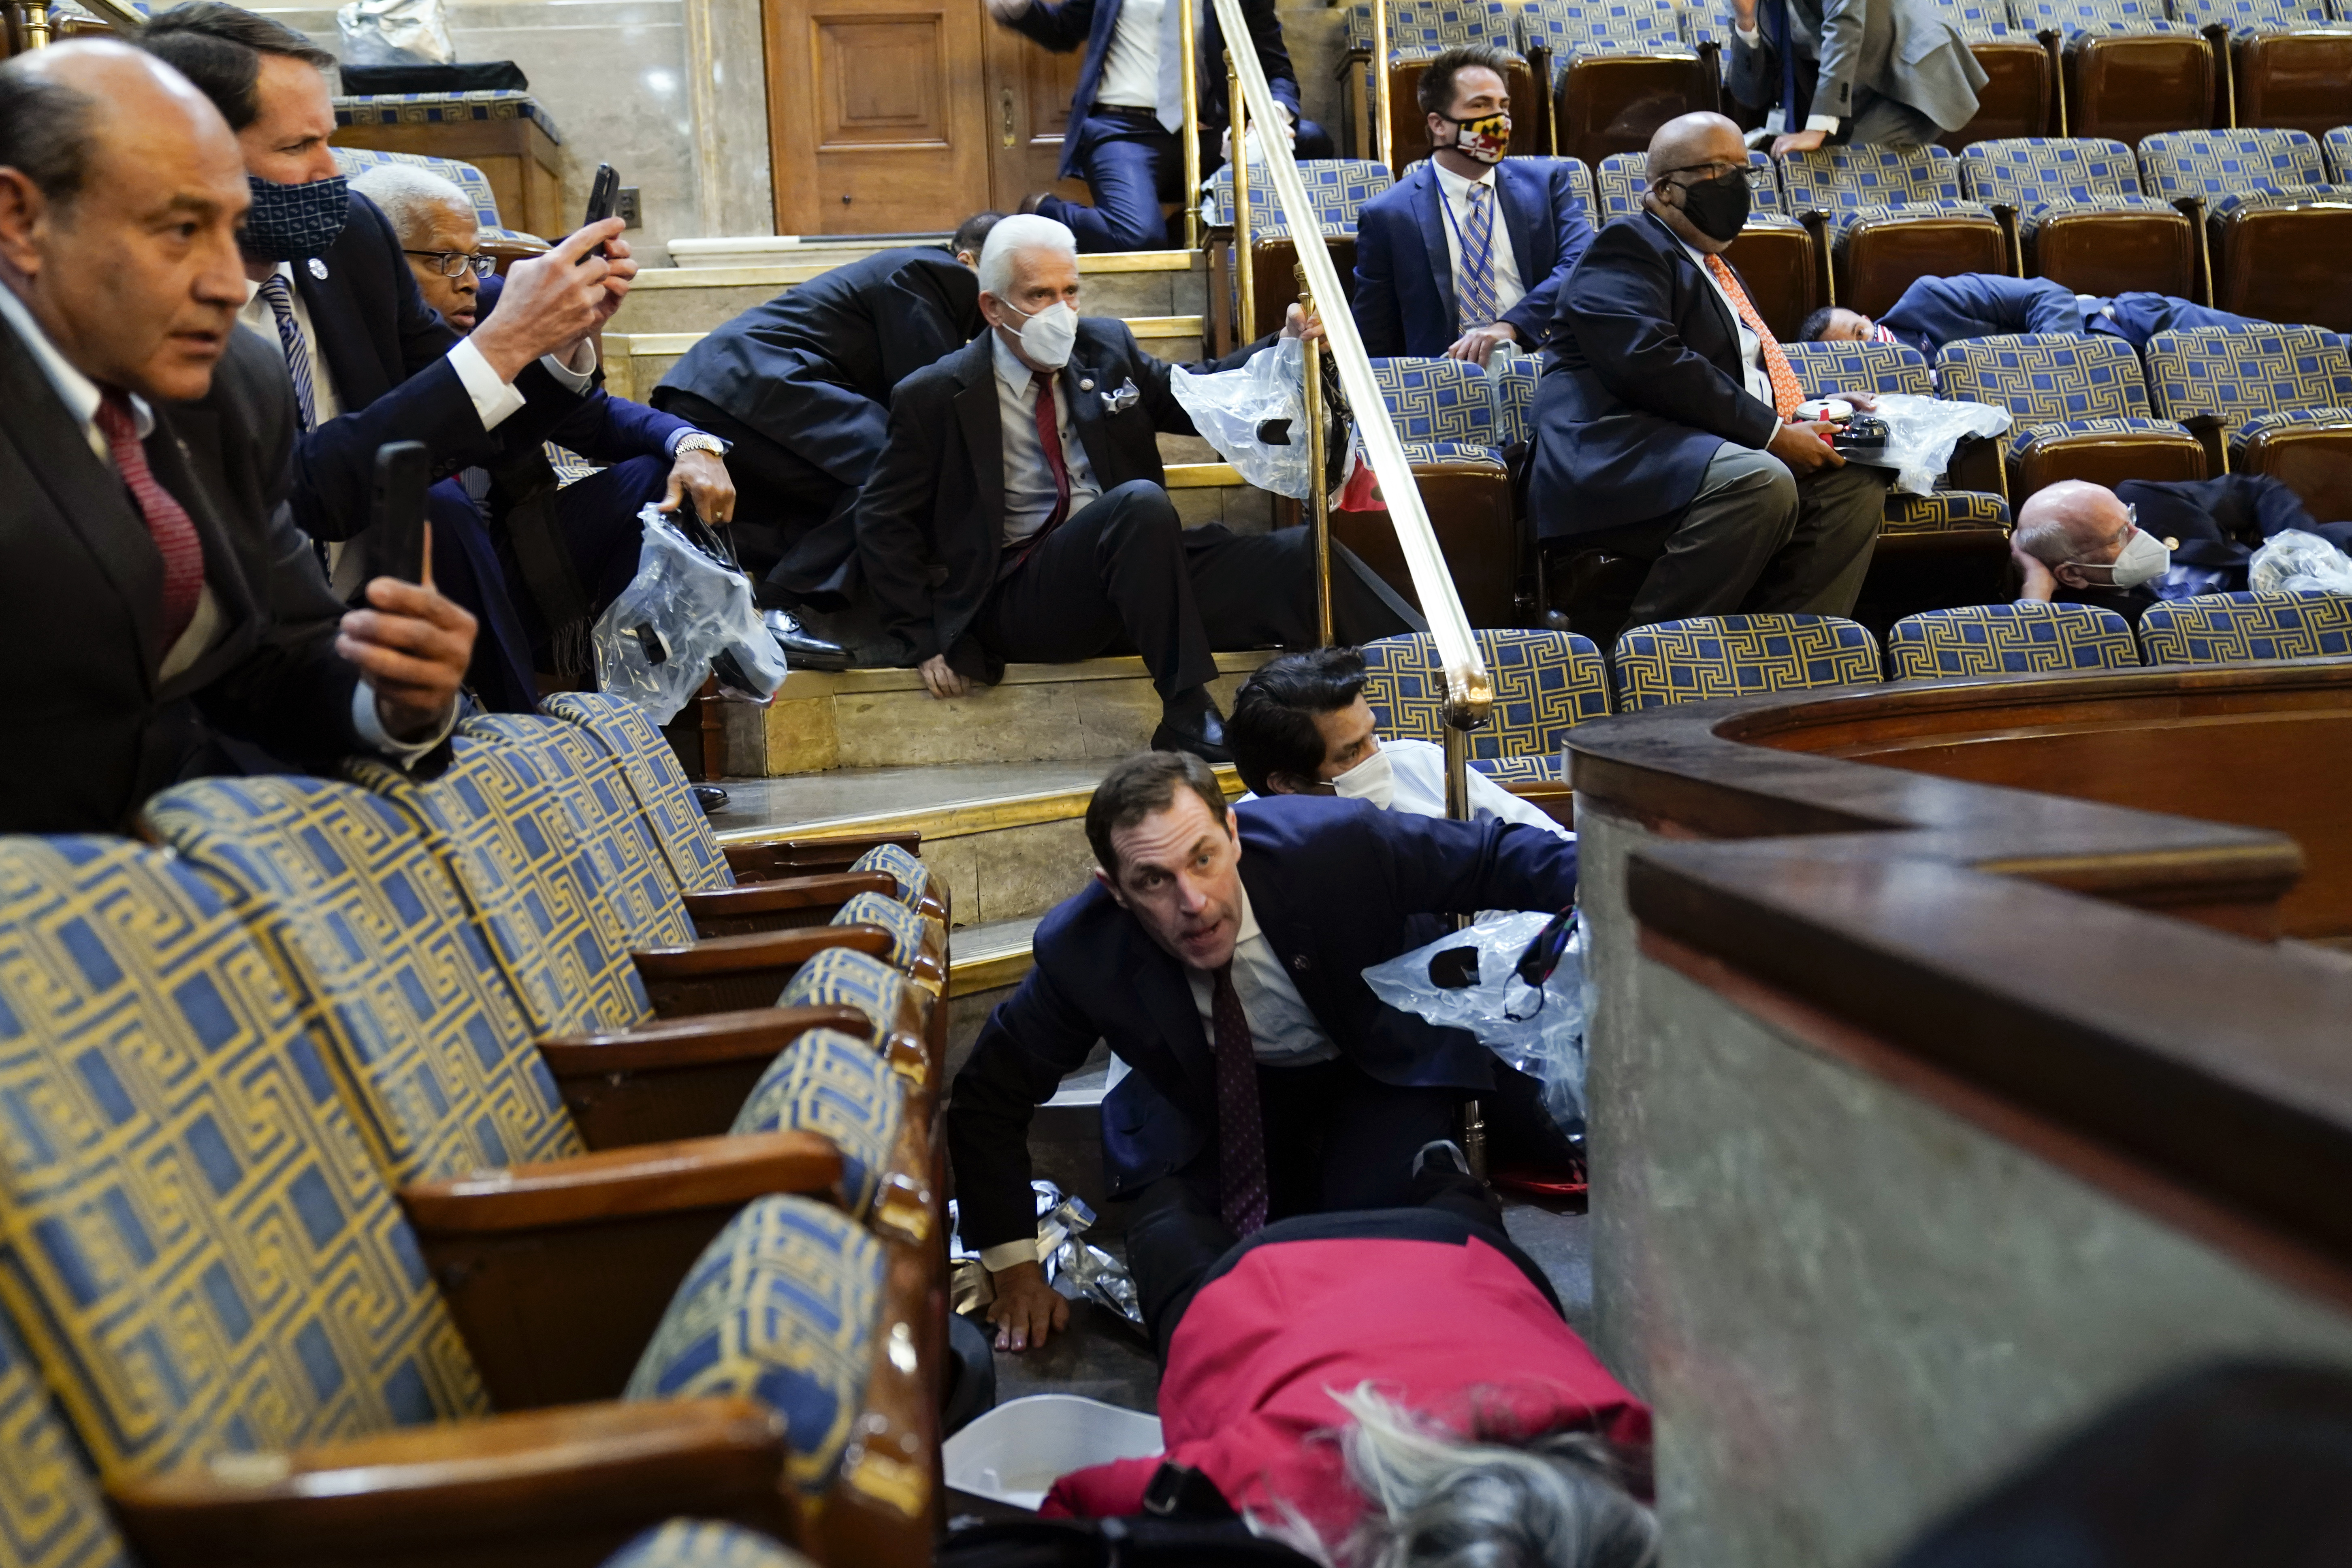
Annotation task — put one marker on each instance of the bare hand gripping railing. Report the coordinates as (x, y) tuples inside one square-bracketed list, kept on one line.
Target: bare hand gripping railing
[(1469, 696)]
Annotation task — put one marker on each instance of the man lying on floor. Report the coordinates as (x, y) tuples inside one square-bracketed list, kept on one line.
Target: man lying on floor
[(1221, 954), (1472, 1424)]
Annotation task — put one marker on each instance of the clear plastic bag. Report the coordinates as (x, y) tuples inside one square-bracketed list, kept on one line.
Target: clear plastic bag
[(1254, 417), (1539, 1031), (2293, 560), (1093, 1274), (1922, 431), (395, 33), (684, 610)]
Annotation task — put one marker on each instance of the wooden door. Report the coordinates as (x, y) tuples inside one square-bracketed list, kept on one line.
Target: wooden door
[(1029, 90), (876, 114)]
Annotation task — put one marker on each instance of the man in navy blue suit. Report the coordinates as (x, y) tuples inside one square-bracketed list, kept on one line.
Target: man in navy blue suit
[(1934, 311), (1221, 954), (1128, 108), (1468, 251)]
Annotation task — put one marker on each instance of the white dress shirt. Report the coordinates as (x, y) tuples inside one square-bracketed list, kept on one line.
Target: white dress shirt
[(81, 397), (1130, 75), (1283, 1032), (1751, 348), (1419, 769), (1454, 192), (1798, 32), (1029, 493)]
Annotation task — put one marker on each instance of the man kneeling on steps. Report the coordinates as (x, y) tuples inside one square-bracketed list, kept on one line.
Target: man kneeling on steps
[(1221, 954), (1019, 511)]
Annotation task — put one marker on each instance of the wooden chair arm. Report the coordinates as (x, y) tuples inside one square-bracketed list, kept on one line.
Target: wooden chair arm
[(881, 1509), (829, 889), (619, 1184), (735, 971), (804, 856), (677, 1043), (559, 1487)]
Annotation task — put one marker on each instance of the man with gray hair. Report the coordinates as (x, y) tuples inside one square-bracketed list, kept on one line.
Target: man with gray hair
[(1019, 511), (2079, 543)]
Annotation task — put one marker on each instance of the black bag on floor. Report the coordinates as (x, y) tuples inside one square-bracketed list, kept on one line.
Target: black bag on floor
[(1137, 1543)]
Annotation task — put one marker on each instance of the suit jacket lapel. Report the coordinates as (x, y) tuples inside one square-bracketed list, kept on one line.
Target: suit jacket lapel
[(343, 339), (1524, 217), (86, 493), (984, 426), (1083, 390), (1429, 209)]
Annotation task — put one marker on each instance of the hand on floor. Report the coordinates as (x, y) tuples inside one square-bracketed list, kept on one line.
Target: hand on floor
[(1027, 1311)]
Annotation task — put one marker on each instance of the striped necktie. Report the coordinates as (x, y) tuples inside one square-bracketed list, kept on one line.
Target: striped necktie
[(1478, 309), (281, 295)]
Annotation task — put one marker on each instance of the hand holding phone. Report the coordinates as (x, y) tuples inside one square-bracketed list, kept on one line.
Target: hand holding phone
[(404, 470), (603, 197)]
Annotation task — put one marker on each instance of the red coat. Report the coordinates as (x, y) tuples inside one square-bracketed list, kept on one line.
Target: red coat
[(1456, 1333)]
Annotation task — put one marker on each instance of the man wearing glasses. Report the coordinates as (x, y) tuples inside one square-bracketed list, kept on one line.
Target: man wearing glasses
[(1665, 419), (2079, 543)]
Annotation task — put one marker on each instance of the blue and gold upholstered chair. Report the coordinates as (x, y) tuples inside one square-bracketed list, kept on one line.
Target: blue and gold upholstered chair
[(1545, 682), (704, 1543), (1739, 656), (2274, 400), (1445, 414), (2246, 628), (2080, 408), (1886, 216), (2029, 637)]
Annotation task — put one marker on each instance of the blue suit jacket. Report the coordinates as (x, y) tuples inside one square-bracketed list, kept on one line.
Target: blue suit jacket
[(603, 428), (1934, 311), (1404, 300), (1336, 886), (1064, 28), (1641, 385)]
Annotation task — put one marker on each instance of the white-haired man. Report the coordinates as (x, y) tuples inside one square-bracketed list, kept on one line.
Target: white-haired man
[(1018, 512), (2083, 543)]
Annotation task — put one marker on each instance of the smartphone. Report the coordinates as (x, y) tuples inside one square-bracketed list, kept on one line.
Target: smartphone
[(396, 508), (604, 196)]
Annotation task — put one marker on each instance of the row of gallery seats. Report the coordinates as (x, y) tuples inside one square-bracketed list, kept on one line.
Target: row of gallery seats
[(334, 1115), (1596, 76), (2272, 400), (1547, 683), (2258, 222)]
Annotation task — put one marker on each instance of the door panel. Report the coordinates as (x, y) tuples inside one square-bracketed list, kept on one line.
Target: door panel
[(1029, 90)]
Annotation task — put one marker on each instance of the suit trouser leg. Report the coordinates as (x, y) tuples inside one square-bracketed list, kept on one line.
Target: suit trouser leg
[(1112, 576), (781, 499), (1818, 571), (1880, 122), (1745, 511), (1129, 166)]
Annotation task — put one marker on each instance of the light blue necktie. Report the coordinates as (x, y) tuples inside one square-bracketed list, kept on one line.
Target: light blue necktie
[(281, 295), (1172, 66), (1478, 261)]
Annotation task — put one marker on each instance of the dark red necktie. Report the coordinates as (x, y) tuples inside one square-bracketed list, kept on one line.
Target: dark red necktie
[(167, 521), (1241, 1133), (1049, 436)]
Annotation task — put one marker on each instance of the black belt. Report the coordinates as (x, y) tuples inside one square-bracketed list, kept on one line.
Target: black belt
[(1128, 112)]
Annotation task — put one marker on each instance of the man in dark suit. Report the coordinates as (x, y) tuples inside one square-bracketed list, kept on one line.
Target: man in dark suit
[(1019, 513), (1221, 954), (1664, 417), (370, 362), (1128, 108), (1934, 311), (1891, 72), (168, 622), (801, 388), (1467, 252)]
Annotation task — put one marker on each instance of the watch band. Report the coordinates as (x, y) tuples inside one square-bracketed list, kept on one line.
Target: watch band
[(696, 441)]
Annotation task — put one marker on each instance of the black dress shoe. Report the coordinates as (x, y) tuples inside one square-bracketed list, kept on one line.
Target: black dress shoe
[(710, 798), (1197, 730), (803, 651)]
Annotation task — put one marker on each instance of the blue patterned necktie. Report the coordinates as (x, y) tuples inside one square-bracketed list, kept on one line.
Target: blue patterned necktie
[(281, 295), (1478, 261)]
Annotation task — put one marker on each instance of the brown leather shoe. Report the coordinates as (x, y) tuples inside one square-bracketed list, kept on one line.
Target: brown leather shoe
[(1029, 203)]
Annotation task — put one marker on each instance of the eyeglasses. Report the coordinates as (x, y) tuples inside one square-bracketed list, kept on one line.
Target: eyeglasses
[(1759, 178), (457, 263), (2131, 526)]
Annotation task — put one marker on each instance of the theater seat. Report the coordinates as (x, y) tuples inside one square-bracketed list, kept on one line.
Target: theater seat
[(2017, 99), (1419, 31), (2125, 68), (1775, 255), (2076, 215), (1613, 71), (1886, 218), (2081, 410), (1739, 656), (509, 246), (1514, 382), (1545, 682), (1445, 414), (2029, 637), (2278, 237), (2336, 149), (702, 1544), (2266, 400), (2246, 628), (1337, 188), (2289, 64)]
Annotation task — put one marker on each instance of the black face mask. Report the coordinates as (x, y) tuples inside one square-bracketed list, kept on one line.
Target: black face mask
[(1718, 208)]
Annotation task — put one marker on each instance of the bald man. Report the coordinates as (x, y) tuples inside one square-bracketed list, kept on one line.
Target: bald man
[(165, 619), (1665, 419), (2082, 542)]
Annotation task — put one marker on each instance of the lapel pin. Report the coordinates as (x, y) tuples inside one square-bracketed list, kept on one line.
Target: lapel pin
[(1300, 962), (1086, 386), (319, 269)]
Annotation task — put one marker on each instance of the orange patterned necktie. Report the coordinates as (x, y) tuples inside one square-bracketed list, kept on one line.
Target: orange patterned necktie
[(1786, 392)]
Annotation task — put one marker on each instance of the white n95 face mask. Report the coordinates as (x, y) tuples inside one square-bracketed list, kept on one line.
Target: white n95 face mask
[(2144, 559), (1048, 336), (1373, 779)]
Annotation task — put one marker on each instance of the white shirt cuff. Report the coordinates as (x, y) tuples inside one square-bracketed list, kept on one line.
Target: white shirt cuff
[(1747, 35), (370, 725), (576, 377), (495, 401), (996, 1259), (1828, 123)]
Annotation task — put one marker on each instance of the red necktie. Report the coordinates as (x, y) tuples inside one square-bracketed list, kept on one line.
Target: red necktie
[(1049, 436), (1241, 1132), (167, 521)]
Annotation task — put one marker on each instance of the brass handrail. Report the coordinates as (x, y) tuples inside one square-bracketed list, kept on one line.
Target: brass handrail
[(1190, 74), (1382, 135)]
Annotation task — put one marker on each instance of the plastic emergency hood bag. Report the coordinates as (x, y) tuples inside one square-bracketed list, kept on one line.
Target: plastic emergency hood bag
[(685, 610), (395, 33), (1922, 431), (2293, 560), (1254, 417), (1538, 1029)]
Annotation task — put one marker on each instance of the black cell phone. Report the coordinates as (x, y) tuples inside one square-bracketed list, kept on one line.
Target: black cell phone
[(396, 508), (604, 196)]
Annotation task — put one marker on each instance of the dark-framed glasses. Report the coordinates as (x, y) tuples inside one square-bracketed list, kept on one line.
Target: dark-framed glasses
[(457, 263), (1759, 175)]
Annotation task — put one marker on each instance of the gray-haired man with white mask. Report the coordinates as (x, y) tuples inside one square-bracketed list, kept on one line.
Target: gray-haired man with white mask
[(1019, 513)]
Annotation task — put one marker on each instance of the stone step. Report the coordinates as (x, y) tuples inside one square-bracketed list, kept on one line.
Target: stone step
[(988, 962), (1093, 711), (696, 298)]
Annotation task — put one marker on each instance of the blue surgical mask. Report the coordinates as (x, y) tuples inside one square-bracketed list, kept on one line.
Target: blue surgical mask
[(288, 223)]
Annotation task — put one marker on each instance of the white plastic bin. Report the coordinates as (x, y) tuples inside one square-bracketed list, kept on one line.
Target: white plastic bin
[(1014, 1453)]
